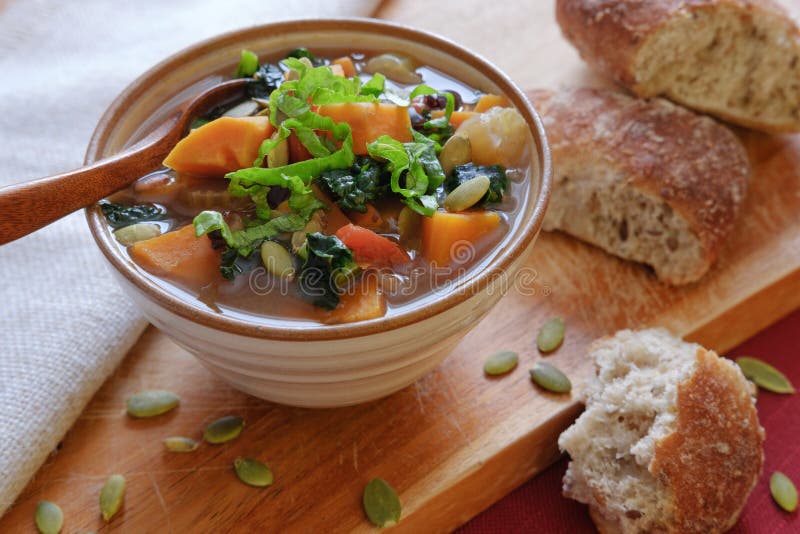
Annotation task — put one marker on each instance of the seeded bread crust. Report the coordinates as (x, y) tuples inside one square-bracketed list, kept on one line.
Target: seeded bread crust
[(637, 41), (645, 180), (670, 440)]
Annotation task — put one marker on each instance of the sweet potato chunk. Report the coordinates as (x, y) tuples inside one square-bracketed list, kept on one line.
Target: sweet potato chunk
[(487, 102), (369, 121), (444, 233), (220, 146), (179, 256), (362, 302)]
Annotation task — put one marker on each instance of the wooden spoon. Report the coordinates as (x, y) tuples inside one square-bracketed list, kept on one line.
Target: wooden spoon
[(29, 206)]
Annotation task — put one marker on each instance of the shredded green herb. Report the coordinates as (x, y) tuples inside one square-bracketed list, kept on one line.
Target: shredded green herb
[(328, 269)]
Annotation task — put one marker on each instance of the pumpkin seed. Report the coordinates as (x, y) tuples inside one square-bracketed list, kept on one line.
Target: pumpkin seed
[(381, 503), (783, 491), (315, 224), (500, 362), (396, 68), (245, 109), (224, 429), (764, 375), (550, 378), (49, 517), (409, 224), (129, 235), (277, 260), (278, 156), (111, 496), (180, 444), (151, 403), (551, 335), (456, 151), (293, 74), (253, 472), (467, 194)]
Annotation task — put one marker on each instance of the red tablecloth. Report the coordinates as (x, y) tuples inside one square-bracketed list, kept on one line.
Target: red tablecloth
[(538, 507)]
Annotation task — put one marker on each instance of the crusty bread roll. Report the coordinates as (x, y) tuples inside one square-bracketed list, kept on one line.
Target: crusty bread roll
[(736, 59), (645, 180), (670, 440)]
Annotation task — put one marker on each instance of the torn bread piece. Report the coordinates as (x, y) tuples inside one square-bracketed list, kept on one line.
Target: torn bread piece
[(736, 59), (670, 440), (647, 181)]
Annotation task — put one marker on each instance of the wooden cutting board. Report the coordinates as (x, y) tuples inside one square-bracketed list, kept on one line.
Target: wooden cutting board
[(456, 441)]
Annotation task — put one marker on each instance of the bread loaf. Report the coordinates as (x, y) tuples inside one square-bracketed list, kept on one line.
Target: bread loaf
[(645, 180), (736, 59), (670, 440)]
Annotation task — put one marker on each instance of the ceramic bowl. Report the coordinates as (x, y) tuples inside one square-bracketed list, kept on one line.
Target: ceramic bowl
[(317, 366)]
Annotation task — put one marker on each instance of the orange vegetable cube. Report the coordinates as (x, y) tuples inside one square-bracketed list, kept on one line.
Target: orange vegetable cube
[(348, 68), (487, 102), (369, 121), (179, 256), (456, 118), (221, 146), (361, 302), (444, 233)]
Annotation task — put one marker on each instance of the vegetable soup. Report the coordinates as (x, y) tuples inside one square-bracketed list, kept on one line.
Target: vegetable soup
[(345, 187)]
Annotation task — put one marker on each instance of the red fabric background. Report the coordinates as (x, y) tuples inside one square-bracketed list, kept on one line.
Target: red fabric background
[(538, 507)]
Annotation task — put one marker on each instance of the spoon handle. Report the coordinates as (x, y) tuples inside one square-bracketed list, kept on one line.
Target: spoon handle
[(28, 206)]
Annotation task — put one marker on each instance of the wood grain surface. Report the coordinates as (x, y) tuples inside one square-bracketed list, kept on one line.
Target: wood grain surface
[(456, 441)]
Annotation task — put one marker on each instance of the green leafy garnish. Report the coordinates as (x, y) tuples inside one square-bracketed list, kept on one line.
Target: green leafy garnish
[(119, 216), (498, 181), (439, 129), (375, 85), (246, 240), (248, 64), (328, 269), (365, 181), (416, 172)]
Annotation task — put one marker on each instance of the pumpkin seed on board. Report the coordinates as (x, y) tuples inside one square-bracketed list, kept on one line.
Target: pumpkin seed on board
[(551, 335), (49, 517), (180, 444), (111, 496), (500, 362), (252, 472), (467, 194), (224, 429), (381, 503), (783, 491), (550, 378), (764, 375), (151, 402)]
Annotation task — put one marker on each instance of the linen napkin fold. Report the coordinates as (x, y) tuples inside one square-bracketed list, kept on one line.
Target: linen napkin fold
[(64, 325)]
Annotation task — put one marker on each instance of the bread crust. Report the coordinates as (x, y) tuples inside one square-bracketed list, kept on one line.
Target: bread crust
[(714, 458), (608, 34), (697, 166)]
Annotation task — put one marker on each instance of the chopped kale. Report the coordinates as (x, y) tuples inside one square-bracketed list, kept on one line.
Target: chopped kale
[(119, 216), (498, 182), (328, 269), (230, 266), (266, 79), (364, 182)]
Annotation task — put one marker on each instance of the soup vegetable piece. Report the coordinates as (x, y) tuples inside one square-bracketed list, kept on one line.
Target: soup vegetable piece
[(336, 181)]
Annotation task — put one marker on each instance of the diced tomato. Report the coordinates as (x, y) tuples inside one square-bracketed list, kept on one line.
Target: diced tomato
[(371, 249)]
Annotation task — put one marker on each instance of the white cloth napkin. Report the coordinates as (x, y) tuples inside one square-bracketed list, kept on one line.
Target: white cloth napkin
[(64, 325)]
